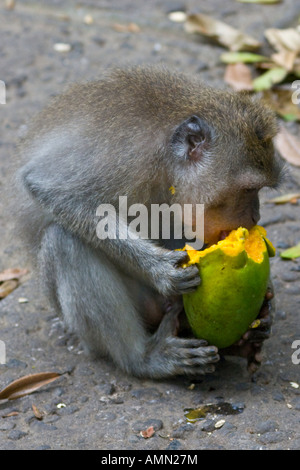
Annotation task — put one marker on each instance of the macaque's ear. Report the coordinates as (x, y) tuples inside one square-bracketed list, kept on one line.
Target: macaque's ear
[(191, 139)]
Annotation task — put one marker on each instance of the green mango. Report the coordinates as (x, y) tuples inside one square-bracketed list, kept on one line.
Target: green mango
[(234, 278)]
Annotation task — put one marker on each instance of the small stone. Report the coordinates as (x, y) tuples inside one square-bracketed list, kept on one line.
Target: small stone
[(272, 437), (289, 276), (16, 434), (142, 425), (278, 396), (62, 47), (267, 426), (208, 425), (183, 431), (88, 19), (177, 16), (174, 445), (146, 394), (6, 425)]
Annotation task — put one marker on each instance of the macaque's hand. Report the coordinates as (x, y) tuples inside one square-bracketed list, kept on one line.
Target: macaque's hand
[(250, 345), (169, 277)]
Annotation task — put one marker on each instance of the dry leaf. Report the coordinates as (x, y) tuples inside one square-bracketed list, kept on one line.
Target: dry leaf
[(12, 273), (290, 197), (9, 415), (37, 413), (7, 287), (288, 146), (280, 101), (27, 384), (284, 39), (285, 59), (238, 76), (10, 4), (149, 432), (226, 35)]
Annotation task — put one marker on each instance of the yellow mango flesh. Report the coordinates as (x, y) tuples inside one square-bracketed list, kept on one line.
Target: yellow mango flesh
[(234, 277)]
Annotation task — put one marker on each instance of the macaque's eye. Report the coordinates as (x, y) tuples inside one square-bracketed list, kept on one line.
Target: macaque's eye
[(191, 138)]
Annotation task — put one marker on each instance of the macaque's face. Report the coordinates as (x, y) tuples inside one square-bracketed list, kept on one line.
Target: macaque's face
[(224, 166), (239, 210)]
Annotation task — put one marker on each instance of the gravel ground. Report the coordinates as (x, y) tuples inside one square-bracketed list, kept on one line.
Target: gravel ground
[(93, 405)]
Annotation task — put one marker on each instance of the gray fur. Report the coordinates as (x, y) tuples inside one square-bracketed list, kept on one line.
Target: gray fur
[(115, 137)]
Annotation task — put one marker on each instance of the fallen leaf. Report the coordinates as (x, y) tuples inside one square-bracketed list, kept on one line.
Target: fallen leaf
[(291, 253), (238, 76), (288, 146), (232, 38), (126, 28), (12, 413), (10, 4), (12, 273), (285, 59), (149, 432), (284, 39), (7, 287), (269, 78), (281, 102), (244, 57), (289, 197), (27, 384), (266, 2), (37, 413)]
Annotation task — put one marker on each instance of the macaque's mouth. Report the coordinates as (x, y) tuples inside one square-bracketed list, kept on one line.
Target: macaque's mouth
[(223, 234)]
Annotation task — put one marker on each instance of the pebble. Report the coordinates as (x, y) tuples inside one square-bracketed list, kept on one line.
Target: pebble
[(289, 276), (208, 426), (105, 389), (146, 393), (272, 437), (6, 425), (62, 47), (174, 445), (296, 403), (142, 425), (278, 395), (16, 434), (266, 426), (220, 423), (40, 426), (228, 428), (183, 431)]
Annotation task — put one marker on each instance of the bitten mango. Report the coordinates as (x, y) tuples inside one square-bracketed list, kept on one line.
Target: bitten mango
[(234, 278)]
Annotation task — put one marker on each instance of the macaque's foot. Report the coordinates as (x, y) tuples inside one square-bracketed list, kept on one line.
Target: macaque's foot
[(180, 356), (250, 345)]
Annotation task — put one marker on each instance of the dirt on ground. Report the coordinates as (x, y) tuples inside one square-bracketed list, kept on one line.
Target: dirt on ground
[(93, 405)]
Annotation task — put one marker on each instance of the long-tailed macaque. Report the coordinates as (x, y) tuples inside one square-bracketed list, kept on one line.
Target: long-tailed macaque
[(139, 132)]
